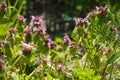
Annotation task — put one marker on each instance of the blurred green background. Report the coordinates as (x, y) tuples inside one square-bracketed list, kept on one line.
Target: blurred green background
[(57, 14)]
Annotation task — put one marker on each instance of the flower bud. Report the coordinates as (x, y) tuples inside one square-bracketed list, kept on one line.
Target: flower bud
[(104, 49), (3, 9), (66, 39), (71, 44), (26, 48), (60, 67), (51, 44), (1, 44), (36, 20), (85, 20), (27, 31), (39, 30), (101, 9), (78, 20), (45, 59), (90, 14), (21, 19), (12, 30)]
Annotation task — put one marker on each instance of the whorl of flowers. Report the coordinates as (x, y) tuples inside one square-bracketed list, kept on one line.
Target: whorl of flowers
[(36, 20)]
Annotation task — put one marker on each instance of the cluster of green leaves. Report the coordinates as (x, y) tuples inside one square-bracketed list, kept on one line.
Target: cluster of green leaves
[(9, 19), (93, 54)]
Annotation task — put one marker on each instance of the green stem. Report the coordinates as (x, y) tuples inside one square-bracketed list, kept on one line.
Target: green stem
[(20, 56), (85, 64), (111, 72), (104, 71)]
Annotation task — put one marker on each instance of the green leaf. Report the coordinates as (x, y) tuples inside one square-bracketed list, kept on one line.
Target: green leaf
[(97, 61), (15, 76), (49, 77), (113, 58)]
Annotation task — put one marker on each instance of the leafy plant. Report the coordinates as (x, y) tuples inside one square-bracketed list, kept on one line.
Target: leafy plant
[(90, 53)]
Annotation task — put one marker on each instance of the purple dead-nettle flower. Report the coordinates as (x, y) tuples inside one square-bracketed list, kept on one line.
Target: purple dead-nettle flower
[(90, 14), (27, 31), (3, 6), (12, 30), (45, 59), (104, 49), (36, 20), (86, 31), (51, 44), (101, 9), (40, 30), (1, 44), (71, 44), (66, 39), (21, 18), (85, 20), (78, 20), (47, 39), (60, 67), (26, 48)]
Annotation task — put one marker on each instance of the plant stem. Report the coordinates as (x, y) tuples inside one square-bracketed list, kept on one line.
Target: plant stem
[(111, 71), (104, 71), (20, 56)]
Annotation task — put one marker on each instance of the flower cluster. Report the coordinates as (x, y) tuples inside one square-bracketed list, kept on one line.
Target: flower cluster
[(68, 41), (12, 30), (27, 31), (40, 30), (60, 67), (21, 19), (101, 9), (3, 6), (49, 42), (26, 48), (104, 49), (36, 20), (81, 20)]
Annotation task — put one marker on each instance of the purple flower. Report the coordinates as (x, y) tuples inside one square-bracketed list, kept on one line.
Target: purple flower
[(27, 31), (12, 30), (104, 49), (40, 30), (51, 44), (101, 9), (66, 39), (36, 20), (60, 67), (85, 20), (26, 48), (1, 44), (78, 20), (90, 14), (46, 39), (21, 18), (85, 31), (3, 6), (45, 59), (71, 44)]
